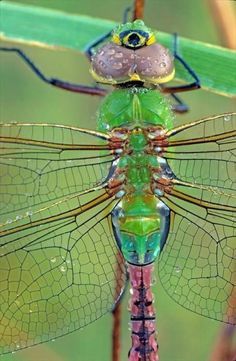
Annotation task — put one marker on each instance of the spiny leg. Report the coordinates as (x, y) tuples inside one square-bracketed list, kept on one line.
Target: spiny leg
[(180, 106), (76, 88)]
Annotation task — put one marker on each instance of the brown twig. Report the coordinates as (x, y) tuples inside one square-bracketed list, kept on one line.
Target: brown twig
[(116, 329), (225, 20), (224, 350), (138, 9)]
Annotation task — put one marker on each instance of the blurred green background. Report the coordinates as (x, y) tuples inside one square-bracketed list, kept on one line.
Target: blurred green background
[(183, 336)]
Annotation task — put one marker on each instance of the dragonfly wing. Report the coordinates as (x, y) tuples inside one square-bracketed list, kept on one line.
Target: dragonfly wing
[(43, 163), (60, 270), (197, 266), (204, 151)]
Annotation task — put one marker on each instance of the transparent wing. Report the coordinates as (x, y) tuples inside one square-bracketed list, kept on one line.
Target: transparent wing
[(197, 266), (204, 151), (59, 270), (41, 163)]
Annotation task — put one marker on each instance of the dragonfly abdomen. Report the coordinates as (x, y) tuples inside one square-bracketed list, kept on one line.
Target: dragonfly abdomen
[(143, 319)]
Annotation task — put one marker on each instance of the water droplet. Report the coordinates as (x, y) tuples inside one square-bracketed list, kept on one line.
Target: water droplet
[(162, 64), (53, 259), (63, 269), (29, 213), (120, 194), (110, 52), (9, 221), (118, 55), (117, 66), (177, 269), (159, 192), (101, 63), (156, 176), (227, 118), (18, 217), (154, 280), (148, 70), (109, 78), (157, 149)]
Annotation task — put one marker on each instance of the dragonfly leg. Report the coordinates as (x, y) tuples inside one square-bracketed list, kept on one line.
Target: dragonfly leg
[(186, 87), (179, 106), (126, 14), (90, 50), (77, 88)]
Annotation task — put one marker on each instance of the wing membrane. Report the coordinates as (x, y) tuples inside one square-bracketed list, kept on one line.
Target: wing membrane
[(43, 163), (197, 266), (59, 276), (204, 151)]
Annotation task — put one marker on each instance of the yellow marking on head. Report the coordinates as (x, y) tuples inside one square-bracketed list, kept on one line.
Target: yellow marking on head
[(167, 78), (116, 39), (101, 79), (135, 77), (151, 40)]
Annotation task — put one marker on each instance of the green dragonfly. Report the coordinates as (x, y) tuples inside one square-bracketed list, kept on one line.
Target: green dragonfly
[(74, 202)]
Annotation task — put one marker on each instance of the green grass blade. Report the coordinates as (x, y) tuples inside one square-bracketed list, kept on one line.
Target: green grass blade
[(215, 66)]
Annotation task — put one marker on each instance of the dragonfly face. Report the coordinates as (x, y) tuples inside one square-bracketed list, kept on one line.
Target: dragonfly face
[(133, 55)]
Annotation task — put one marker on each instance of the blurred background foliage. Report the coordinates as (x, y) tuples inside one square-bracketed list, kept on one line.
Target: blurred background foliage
[(183, 336)]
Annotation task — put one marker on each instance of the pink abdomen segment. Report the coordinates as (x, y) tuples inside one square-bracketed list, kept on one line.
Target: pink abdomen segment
[(143, 328)]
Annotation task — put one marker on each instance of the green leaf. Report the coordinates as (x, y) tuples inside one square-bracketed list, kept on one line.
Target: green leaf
[(215, 66)]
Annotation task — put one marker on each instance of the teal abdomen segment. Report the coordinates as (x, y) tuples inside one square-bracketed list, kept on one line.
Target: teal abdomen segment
[(134, 107), (141, 225)]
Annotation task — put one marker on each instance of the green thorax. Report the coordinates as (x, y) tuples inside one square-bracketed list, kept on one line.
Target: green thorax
[(139, 225), (134, 107)]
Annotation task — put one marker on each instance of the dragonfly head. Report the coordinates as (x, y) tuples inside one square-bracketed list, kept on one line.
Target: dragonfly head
[(132, 55)]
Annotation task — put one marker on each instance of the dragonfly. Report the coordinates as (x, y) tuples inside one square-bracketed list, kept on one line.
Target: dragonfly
[(83, 211)]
